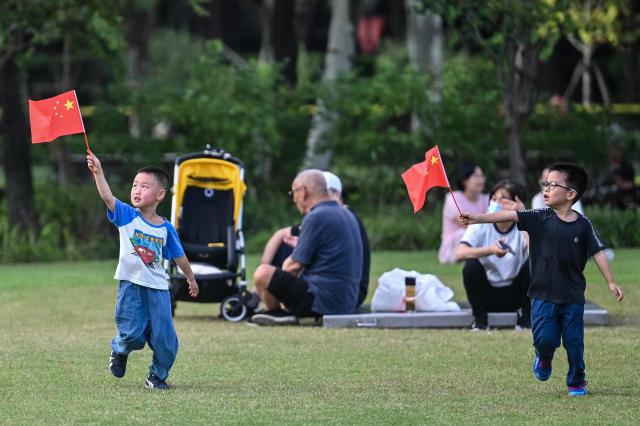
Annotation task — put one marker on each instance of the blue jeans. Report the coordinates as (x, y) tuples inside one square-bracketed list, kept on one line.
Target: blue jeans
[(143, 315), (550, 322)]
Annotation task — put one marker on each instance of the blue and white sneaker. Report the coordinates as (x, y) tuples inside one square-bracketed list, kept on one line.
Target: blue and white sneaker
[(541, 368), (118, 364), (155, 382), (578, 390)]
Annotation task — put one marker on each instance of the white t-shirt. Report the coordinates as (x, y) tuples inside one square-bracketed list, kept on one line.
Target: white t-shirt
[(500, 270), (143, 246), (538, 203)]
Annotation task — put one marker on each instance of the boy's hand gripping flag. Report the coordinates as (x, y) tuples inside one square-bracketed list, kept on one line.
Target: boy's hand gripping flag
[(423, 176), (55, 117)]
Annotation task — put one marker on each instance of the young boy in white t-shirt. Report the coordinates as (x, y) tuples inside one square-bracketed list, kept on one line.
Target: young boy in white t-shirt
[(143, 307)]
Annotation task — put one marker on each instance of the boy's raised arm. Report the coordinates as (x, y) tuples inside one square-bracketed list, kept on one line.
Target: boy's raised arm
[(101, 182), (603, 265)]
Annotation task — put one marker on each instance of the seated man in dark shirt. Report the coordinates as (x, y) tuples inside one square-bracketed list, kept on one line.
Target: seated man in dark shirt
[(281, 244), (322, 275)]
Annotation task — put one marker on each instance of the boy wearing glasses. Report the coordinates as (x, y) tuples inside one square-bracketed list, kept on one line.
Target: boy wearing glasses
[(560, 243)]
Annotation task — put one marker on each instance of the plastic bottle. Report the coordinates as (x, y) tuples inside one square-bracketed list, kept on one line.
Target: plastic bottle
[(410, 293)]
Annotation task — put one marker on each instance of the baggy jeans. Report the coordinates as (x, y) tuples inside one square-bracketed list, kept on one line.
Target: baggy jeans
[(143, 315), (549, 323)]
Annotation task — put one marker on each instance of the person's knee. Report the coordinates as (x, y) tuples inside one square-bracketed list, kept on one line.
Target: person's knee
[(133, 340), (472, 267), (262, 276), (472, 271), (547, 341)]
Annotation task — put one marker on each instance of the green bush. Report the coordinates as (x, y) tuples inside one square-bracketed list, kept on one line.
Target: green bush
[(617, 228), (397, 228), (73, 226)]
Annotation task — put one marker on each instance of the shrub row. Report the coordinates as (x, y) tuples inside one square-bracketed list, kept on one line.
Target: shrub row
[(74, 226)]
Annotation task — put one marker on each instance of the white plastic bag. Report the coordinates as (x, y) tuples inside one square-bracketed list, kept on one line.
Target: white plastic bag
[(389, 296), (431, 294)]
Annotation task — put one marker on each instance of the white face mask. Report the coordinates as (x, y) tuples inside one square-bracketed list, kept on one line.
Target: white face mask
[(494, 207)]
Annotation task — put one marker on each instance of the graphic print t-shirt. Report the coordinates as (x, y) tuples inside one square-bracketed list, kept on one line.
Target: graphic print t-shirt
[(143, 247)]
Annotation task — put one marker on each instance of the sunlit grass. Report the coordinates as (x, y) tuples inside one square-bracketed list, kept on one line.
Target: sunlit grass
[(57, 322)]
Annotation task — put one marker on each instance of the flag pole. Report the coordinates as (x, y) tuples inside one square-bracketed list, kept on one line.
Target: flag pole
[(449, 186), (84, 132), (86, 141), (454, 200)]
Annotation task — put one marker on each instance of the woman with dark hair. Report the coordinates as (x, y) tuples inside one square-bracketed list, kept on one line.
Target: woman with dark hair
[(496, 272), (470, 183)]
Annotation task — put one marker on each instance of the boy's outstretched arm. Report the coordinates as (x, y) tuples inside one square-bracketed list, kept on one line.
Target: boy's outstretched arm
[(101, 182), (185, 267), (466, 219), (603, 264)]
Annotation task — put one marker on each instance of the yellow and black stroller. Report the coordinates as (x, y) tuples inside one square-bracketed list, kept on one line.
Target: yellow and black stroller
[(206, 210)]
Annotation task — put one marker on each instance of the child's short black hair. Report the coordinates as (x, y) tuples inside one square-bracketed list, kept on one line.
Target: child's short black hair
[(158, 174), (465, 170), (577, 178)]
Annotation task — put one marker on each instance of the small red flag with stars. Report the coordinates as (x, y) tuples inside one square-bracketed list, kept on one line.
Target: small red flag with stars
[(423, 176), (55, 117)]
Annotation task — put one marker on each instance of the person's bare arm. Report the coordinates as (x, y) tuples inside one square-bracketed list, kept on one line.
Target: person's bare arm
[(101, 182), (466, 219), (271, 248), (603, 265), (185, 267), (292, 267)]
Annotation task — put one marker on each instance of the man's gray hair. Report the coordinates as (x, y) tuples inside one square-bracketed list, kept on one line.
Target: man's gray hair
[(314, 181)]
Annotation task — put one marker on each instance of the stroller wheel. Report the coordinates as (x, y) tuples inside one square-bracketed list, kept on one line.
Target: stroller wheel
[(233, 308)]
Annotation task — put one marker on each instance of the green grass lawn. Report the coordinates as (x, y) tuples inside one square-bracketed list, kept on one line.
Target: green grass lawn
[(56, 323)]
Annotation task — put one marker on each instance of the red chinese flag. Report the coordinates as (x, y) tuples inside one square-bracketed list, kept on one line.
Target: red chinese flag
[(55, 117), (423, 176)]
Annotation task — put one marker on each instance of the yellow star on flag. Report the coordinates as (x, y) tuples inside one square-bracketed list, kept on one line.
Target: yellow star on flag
[(434, 160), (68, 104)]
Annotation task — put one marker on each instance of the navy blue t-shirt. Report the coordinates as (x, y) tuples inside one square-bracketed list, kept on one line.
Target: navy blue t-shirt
[(558, 253), (330, 249)]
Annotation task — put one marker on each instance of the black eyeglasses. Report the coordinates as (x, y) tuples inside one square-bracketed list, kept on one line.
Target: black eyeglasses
[(552, 185), (293, 191)]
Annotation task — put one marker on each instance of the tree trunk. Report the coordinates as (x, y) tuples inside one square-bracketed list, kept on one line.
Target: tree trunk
[(632, 50), (632, 72), (425, 45), (517, 166), (517, 74), (340, 51), (16, 150), (586, 74), (279, 42), (139, 24), (341, 45), (398, 20), (266, 54)]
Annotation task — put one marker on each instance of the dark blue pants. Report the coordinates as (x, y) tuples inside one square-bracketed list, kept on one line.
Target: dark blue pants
[(143, 315), (549, 323)]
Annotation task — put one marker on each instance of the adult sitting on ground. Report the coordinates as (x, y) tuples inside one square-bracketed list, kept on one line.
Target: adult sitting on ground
[(470, 182), (496, 271), (281, 244), (334, 187), (322, 275)]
